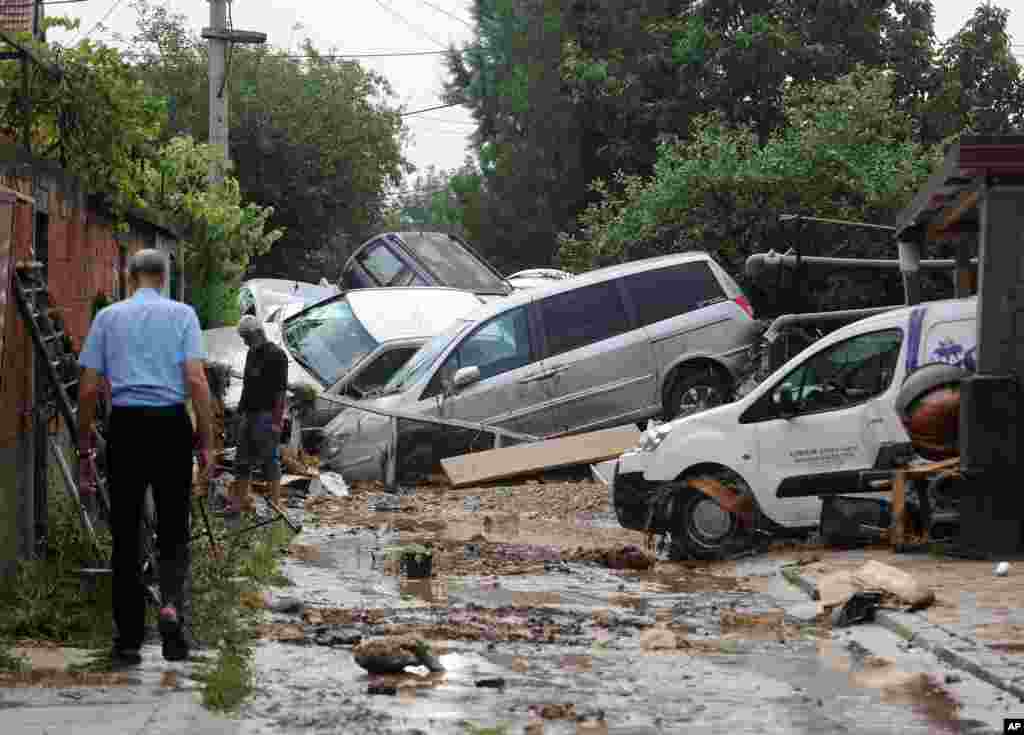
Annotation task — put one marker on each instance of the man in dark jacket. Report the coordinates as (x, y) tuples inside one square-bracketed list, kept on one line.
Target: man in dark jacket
[(260, 415)]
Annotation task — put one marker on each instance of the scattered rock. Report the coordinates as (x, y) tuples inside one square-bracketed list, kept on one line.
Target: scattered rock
[(285, 605), (392, 654), (657, 639), (338, 637), (497, 683), (383, 689), (555, 711)]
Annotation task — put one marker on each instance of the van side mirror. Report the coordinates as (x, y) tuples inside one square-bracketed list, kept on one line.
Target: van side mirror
[(465, 376), (785, 402)]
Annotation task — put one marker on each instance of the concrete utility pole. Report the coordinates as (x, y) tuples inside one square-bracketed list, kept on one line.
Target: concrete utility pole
[(219, 36)]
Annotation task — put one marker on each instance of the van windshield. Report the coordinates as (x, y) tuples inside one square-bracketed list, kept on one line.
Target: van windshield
[(453, 265), (327, 340), (424, 358)]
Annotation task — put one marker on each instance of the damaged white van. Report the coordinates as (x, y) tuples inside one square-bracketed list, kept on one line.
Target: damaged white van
[(710, 480)]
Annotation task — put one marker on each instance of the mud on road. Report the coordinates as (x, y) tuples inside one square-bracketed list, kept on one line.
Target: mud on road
[(549, 618)]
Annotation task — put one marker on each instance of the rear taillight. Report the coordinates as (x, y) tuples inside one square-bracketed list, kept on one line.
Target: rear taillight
[(742, 302)]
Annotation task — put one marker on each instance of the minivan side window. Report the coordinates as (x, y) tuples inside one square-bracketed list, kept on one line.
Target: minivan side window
[(498, 346), (381, 263), (246, 302), (667, 292), (850, 372), (583, 316)]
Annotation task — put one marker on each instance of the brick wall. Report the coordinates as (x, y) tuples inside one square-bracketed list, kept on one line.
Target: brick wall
[(14, 374)]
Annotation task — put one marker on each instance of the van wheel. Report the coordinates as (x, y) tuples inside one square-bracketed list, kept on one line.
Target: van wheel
[(703, 529), (693, 391)]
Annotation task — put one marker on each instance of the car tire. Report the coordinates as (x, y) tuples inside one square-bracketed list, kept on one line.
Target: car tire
[(702, 529), (704, 385)]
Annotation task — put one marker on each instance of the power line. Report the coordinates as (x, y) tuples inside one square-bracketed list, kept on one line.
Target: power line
[(409, 24), (392, 54), (442, 11), (431, 109), (106, 15)]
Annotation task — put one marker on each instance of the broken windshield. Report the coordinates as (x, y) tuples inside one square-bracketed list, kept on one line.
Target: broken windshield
[(328, 340), (424, 358)]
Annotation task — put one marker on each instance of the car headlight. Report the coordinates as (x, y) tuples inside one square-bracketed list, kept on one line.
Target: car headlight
[(653, 437)]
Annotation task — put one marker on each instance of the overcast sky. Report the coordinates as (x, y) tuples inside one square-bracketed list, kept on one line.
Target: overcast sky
[(380, 26)]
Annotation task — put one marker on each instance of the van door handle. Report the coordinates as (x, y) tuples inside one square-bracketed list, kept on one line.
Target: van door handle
[(876, 421), (545, 375)]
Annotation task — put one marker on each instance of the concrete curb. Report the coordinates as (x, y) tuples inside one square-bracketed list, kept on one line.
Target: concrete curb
[(956, 650)]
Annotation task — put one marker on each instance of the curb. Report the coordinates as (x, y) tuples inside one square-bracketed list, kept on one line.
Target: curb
[(958, 651)]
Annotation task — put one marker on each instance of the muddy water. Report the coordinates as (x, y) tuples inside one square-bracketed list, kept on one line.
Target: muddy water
[(568, 641)]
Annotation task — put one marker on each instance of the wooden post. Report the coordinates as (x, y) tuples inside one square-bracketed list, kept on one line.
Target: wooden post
[(899, 507)]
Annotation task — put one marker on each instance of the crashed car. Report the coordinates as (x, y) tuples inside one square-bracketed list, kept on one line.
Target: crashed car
[(666, 335), (262, 297), (348, 345), (422, 259), (818, 426)]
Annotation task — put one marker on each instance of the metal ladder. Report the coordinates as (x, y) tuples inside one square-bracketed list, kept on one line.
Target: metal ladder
[(60, 366)]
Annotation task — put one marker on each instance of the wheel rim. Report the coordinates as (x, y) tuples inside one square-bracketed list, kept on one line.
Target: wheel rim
[(710, 524), (698, 398)]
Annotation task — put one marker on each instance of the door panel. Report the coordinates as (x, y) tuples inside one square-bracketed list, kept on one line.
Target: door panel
[(599, 369), (843, 395), (509, 393)]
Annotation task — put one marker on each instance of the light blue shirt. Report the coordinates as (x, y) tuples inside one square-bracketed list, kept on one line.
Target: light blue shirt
[(141, 345)]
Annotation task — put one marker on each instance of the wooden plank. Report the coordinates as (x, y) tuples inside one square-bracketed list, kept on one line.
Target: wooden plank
[(899, 496), (526, 459)]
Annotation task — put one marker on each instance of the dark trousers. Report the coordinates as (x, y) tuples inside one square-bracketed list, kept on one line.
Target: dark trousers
[(148, 447)]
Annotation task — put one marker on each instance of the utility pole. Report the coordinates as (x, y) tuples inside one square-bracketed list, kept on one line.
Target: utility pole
[(219, 36)]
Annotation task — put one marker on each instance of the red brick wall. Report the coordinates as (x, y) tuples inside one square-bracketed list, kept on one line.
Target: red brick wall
[(14, 376)]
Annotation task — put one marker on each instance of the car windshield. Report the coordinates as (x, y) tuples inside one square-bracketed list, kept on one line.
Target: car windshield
[(424, 358), (453, 264), (328, 340)]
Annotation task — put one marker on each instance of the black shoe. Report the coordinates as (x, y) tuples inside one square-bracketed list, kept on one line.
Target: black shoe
[(123, 656), (175, 646)]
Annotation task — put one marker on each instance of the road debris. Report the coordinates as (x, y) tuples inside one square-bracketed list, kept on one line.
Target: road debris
[(329, 483), (1002, 569), (860, 608), (899, 584), (536, 457), (392, 654)]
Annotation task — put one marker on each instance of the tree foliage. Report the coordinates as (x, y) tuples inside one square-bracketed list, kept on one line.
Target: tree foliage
[(315, 137), (845, 151)]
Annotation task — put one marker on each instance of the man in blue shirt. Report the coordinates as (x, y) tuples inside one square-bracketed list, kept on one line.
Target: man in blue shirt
[(149, 349)]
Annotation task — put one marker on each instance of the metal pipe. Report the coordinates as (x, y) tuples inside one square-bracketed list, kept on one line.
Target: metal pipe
[(828, 316), (758, 264), (910, 267), (457, 423)]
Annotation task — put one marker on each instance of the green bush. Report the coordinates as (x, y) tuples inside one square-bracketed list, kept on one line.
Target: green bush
[(215, 302)]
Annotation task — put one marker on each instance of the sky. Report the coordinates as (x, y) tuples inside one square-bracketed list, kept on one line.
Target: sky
[(439, 138)]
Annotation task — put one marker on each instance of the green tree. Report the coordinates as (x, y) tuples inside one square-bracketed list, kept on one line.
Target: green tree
[(317, 138), (846, 151), (222, 234)]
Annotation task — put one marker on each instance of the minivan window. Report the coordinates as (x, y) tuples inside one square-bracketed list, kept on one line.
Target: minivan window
[(377, 373), (425, 357), (847, 373), (381, 263), (500, 345), (583, 316), (327, 340), (667, 292), (452, 264)]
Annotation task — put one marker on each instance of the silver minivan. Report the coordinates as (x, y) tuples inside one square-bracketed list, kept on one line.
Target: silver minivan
[(662, 336)]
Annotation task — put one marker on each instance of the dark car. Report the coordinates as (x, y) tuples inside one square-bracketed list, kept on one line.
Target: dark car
[(422, 259)]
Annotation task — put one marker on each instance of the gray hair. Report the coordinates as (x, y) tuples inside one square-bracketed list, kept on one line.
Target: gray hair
[(249, 325), (148, 262)]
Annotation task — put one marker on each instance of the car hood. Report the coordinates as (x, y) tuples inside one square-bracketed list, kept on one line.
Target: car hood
[(225, 347)]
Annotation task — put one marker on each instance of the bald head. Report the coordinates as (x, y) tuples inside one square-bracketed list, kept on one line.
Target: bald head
[(148, 269), (250, 330)]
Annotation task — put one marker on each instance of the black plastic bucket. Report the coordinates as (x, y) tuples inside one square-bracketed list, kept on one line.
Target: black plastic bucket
[(417, 566)]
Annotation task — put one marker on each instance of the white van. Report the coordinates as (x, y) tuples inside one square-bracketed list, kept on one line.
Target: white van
[(813, 425)]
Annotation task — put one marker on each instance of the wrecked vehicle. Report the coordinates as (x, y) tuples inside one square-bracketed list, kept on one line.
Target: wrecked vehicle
[(350, 344), (812, 428), (662, 336), (422, 259), (536, 277), (260, 297)]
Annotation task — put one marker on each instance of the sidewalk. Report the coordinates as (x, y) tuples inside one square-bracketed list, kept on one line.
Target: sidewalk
[(976, 623), (156, 698)]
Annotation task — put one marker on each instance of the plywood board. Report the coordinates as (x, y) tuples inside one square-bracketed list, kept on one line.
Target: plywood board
[(527, 459)]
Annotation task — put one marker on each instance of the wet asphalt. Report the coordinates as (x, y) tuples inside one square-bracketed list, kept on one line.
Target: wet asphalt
[(591, 674)]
